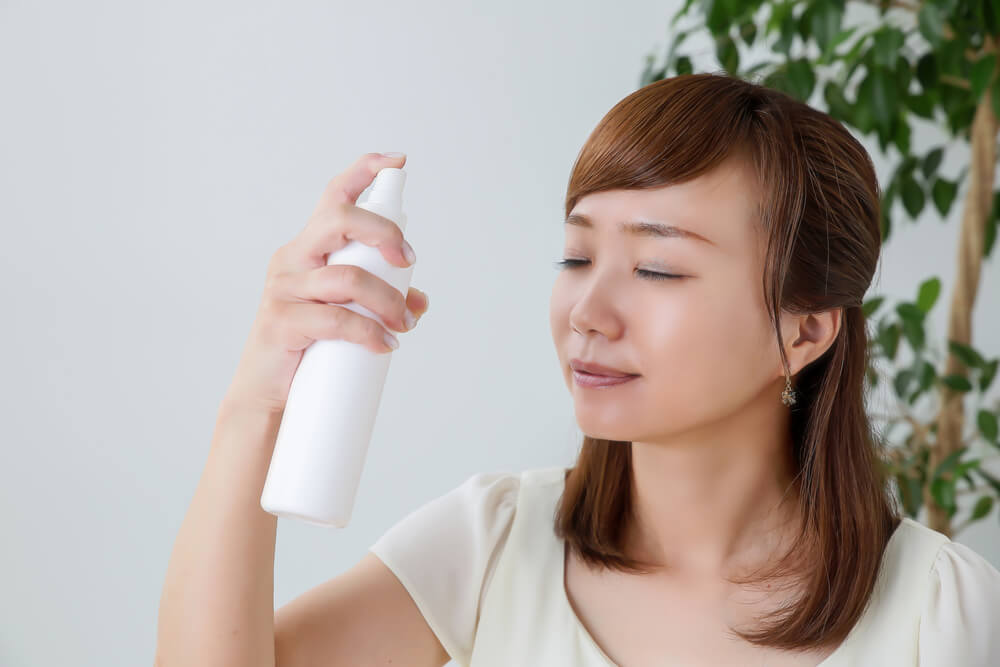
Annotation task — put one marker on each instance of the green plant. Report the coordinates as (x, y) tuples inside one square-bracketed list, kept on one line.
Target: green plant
[(935, 60)]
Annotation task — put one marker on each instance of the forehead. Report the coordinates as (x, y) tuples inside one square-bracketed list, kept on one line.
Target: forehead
[(719, 205)]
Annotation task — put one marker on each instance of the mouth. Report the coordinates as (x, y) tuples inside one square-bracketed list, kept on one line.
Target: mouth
[(584, 379), (594, 368), (591, 374)]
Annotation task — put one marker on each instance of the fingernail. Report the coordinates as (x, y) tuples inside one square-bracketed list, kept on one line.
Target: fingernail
[(394, 154), (409, 319), (391, 340), (408, 253)]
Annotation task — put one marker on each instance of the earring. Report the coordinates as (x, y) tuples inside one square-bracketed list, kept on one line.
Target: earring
[(788, 396)]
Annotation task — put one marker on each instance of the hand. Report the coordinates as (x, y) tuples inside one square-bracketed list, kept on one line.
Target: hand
[(295, 308)]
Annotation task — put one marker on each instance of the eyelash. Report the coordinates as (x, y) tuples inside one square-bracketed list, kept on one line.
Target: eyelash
[(649, 275)]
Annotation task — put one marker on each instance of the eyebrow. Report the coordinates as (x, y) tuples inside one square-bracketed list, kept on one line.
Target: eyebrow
[(643, 228)]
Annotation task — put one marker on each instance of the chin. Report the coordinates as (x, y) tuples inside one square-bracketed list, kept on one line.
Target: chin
[(605, 430)]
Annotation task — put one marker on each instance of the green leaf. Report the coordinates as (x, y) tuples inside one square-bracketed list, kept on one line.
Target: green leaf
[(967, 354), (987, 422), (927, 375), (912, 316), (870, 306), (879, 89), (902, 135), (824, 23), (837, 104), (901, 383), (888, 42), (989, 372), (717, 15), (801, 77), (911, 494), (684, 65), (830, 53), (787, 29), (983, 507), (957, 382), (943, 492), (912, 194), (681, 11), (990, 479), (748, 32), (981, 73), (864, 113), (927, 71), (889, 340), (922, 105), (991, 16), (931, 23), (678, 39), (931, 162), (948, 463), (943, 193), (928, 294), (727, 54)]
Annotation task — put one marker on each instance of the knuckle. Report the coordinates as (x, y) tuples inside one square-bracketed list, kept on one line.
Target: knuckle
[(339, 318), (349, 275)]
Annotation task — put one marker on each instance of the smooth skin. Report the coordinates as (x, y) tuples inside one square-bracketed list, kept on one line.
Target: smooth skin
[(217, 604), (710, 436)]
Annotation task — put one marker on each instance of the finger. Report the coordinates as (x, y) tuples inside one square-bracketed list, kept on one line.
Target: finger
[(417, 302), (302, 323), (332, 229), (345, 187), (343, 283)]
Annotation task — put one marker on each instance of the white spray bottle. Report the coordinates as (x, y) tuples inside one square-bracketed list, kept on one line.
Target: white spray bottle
[(334, 396)]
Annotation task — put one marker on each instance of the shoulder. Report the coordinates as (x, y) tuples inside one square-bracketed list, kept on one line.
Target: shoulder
[(445, 551), (961, 603), (482, 504), (465, 520)]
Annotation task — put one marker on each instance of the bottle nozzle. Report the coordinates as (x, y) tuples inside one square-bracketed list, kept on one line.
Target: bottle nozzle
[(387, 188)]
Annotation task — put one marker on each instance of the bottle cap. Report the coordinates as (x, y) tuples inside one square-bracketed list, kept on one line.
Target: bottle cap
[(387, 188)]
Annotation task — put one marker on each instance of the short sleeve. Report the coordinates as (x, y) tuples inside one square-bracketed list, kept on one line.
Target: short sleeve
[(444, 553), (960, 621)]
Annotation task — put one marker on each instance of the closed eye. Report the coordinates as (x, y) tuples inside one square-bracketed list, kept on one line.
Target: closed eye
[(649, 275)]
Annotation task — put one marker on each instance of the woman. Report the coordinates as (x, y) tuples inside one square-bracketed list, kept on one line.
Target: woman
[(727, 506)]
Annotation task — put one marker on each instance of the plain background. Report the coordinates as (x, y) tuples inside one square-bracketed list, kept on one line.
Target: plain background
[(155, 155)]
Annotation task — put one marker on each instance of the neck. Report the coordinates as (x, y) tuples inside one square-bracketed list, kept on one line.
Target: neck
[(712, 500)]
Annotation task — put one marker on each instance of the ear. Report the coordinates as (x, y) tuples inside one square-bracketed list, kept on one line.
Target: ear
[(807, 337)]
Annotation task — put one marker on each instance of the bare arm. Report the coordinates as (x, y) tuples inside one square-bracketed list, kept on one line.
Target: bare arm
[(217, 604)]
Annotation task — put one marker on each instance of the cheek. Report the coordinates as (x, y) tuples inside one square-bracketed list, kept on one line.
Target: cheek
[(702, 356)]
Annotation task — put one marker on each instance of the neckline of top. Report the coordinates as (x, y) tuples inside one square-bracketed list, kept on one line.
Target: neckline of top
[(581, 629)]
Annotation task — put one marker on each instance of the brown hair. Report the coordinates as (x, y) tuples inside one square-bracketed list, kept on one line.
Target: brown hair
[(819, 213)]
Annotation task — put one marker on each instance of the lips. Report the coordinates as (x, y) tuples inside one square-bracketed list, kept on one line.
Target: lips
[(595, 368)]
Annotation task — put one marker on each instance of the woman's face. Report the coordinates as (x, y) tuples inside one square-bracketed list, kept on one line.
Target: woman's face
[(702, 343)]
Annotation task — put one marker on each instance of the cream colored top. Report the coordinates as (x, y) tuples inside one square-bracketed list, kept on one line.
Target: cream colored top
[(486, 570)]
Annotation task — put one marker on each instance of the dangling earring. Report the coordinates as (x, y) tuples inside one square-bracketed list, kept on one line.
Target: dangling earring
[(788, 396)]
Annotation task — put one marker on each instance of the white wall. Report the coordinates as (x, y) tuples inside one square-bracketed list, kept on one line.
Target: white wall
[(154, 155)]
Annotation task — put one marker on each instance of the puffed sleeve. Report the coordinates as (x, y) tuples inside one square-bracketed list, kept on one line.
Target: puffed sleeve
[(445, 551), (960, 622)]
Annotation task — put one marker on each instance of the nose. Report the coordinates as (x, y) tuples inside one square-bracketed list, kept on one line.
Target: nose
[(594, 311)]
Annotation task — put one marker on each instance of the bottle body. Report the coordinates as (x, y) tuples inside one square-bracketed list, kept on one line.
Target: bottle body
[(326, 427)]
